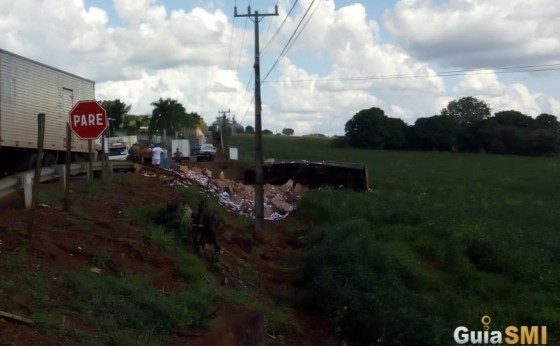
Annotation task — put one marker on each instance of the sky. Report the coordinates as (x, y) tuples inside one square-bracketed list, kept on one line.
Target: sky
[(321, 61)]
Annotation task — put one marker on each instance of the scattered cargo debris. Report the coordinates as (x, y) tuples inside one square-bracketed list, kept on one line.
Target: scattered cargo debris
[(285, 182)]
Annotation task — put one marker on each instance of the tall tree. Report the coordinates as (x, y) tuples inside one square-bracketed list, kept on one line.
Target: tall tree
[(188, 121), (116, 112), (467, 110), (169, 117), (434, 133), (372, 129), (396, 134), (288, 131), (545, 138), (542, 141), (138, 123), (514, 118), (547, 121), (367, 128)]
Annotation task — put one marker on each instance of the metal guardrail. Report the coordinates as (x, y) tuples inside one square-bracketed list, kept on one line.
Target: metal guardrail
[(20, 181)]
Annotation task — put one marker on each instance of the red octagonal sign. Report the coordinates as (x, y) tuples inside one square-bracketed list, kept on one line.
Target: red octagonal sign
[(88, 119)]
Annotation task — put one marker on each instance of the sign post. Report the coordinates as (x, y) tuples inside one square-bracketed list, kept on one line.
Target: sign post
[(88, 120)]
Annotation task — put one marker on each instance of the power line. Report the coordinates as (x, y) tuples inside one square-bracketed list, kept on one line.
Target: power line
[(240, 49), (243, 37), (279, 28), (247, 109), (525, 66), (245, 112), (245, 93), (498, 70), (231, 39), (284, 50), (268, 27), (305, 25)]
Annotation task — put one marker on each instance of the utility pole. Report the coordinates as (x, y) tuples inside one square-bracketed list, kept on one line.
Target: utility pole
[(223, 116), (259, 174)]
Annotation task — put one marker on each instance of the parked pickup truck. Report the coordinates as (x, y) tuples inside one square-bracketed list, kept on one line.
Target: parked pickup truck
[(204, 152)]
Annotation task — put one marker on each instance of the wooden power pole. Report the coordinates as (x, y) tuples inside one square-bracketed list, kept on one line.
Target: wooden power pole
[(259, 174), (223, 120)]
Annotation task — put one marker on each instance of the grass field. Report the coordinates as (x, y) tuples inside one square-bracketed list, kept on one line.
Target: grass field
[(442, 240)]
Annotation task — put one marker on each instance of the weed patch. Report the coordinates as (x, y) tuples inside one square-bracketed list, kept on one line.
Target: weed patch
[(277, 319), (129, 310), (14, 261), (380, 261)]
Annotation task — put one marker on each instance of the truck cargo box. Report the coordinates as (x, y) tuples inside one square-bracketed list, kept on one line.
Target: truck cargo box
[(27, 88)]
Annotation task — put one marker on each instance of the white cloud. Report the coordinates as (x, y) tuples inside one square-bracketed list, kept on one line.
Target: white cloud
[(502, 97), (478, 33), (135, 11), (482, 82), (335, 32), (196, 38), (349, 43), (336, 67), (199, 89)]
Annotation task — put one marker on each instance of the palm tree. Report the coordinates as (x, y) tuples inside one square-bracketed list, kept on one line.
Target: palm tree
[(170, 117), (166, 117)]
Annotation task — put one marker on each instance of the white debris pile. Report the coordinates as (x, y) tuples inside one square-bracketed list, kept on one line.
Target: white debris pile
[(279, 201)]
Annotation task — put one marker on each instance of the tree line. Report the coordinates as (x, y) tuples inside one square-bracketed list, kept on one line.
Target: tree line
[(465, 125), (169, 118)]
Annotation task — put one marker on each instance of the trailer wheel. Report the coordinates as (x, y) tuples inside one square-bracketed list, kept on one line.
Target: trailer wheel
[(31, 161), (49, 160), (78, 158)]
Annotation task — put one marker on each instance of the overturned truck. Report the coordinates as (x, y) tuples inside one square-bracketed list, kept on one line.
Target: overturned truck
[(314, 174)]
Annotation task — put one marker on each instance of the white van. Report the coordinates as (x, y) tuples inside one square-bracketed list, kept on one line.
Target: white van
[(118, 151), (204, 152)]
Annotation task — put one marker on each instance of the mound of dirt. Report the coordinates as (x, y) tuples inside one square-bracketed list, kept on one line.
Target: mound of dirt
[(57, 246)]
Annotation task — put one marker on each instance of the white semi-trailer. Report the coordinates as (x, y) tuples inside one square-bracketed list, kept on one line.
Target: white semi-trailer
[(28, 88)]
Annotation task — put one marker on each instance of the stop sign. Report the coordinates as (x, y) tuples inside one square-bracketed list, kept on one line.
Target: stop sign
[(88, 119)]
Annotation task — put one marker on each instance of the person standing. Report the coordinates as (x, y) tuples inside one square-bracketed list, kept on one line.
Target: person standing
[(136, 153), (157, 153), (178, 155), (147, 155), (164, 159)]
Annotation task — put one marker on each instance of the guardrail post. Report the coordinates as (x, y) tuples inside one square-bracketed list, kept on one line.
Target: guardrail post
[(61, 171), (67, 167), (27, 183), (85, 167)]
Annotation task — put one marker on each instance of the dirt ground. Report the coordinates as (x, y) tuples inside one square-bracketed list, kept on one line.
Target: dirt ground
[(57, 247)]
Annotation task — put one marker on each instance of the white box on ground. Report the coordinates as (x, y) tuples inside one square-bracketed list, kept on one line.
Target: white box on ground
[(233, 153)]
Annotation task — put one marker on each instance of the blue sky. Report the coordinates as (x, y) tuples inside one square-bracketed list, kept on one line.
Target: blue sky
[(349, 56)]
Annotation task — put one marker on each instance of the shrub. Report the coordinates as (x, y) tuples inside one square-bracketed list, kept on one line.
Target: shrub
[(366, 287)]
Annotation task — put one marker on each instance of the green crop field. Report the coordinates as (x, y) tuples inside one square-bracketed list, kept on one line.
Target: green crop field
[(441, 240)]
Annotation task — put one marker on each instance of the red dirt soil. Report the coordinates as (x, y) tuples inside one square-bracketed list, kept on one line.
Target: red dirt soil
[(57, 246)]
